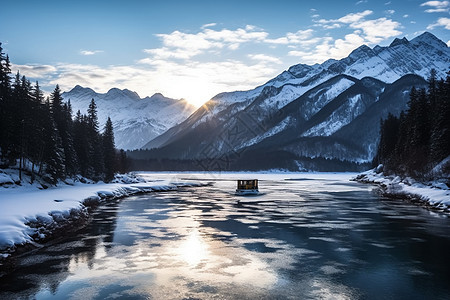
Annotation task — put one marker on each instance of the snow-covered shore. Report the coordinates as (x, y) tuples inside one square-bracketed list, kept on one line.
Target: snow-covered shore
[(435, 195), (29, 215)]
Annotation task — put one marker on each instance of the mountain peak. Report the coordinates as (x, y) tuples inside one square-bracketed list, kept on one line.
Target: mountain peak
[(427, 38), (79, 89), (397, 41), (157, 95), (115, 93), (362, 50)]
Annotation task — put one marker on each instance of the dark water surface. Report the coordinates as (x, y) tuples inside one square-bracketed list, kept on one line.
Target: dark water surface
[(307, 237)]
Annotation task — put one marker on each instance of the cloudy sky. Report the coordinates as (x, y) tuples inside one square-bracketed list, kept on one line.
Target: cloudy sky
[(196, 49)]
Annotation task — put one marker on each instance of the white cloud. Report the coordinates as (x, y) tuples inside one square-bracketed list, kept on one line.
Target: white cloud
[(347, 19), (194, 65), (405, 16), (90, 52), (187, 45), (209, 25), (436, 10), (361, 2), (195, 81), (445, 22), (332, 26), (329, 48), (198, 65), (437, 6), (292, 38), (265, 58), (365, 31), (34, 70), (187, 65), (378, 30), (448, 43), (390, 12)]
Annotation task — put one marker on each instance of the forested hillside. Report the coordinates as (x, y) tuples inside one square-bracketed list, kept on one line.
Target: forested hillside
[(39, 136), (417, 143)]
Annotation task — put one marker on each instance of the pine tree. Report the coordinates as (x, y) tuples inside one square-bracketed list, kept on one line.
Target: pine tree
[(123, 162), (388, 140), (109, 150), (26, 131), (92, 116), (401, 148), (63, 120), (5, 70), (440, 136), (5, 95), (36, 137), (52, 167), (95, 143), (42, 134), (56, 101), (81, 142), (423, 134)]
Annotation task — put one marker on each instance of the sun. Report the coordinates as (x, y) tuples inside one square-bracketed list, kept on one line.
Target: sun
[(196, 92), (197, 103), (197, 97)]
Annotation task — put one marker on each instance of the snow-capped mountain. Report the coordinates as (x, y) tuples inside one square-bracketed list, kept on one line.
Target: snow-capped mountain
[(136, 120), (308, 115)]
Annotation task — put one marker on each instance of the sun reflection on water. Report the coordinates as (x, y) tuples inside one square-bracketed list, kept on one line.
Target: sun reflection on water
[(193, 249)]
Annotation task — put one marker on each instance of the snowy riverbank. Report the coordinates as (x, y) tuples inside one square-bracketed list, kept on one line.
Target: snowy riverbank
[(435, 195), (29, 215)]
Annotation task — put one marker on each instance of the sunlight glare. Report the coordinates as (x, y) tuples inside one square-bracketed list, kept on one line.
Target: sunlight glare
[(194, 249)]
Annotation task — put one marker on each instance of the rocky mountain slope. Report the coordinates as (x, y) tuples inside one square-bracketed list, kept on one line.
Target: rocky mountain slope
[(329, 111)]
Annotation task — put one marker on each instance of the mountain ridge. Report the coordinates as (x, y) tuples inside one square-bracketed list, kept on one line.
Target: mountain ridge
[(135, 120), (308, 106)]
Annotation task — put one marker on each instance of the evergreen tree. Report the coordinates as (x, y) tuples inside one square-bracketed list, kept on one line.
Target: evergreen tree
[(53, 158), (401, 148), (109, 150), (388, 139), (63, 120), (37, 133), (92, 116), (5, 70), (42, 136), (26, 130), (123, 163), (81, 142), (421, 135), (440, 136), (95, 143), (5, 95)]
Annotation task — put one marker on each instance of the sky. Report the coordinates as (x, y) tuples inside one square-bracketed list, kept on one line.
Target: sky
[(197, 49)]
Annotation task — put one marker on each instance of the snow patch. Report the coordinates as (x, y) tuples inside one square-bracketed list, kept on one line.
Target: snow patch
[(274, 130), (28, 215), (339, 118), (434, 194), (325, 96)]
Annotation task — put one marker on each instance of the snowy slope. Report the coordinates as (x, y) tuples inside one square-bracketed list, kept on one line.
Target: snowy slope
[(135, 120)]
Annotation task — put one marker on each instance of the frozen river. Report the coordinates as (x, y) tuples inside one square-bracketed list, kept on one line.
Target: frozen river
[(308, 236)]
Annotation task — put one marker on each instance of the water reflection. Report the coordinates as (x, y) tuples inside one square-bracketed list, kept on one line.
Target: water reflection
[(302, 239), (193, 249)]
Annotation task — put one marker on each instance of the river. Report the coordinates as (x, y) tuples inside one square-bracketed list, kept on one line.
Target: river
[(307, 236)]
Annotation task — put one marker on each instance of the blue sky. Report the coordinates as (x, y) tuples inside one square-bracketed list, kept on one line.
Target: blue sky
[(196, 49)]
